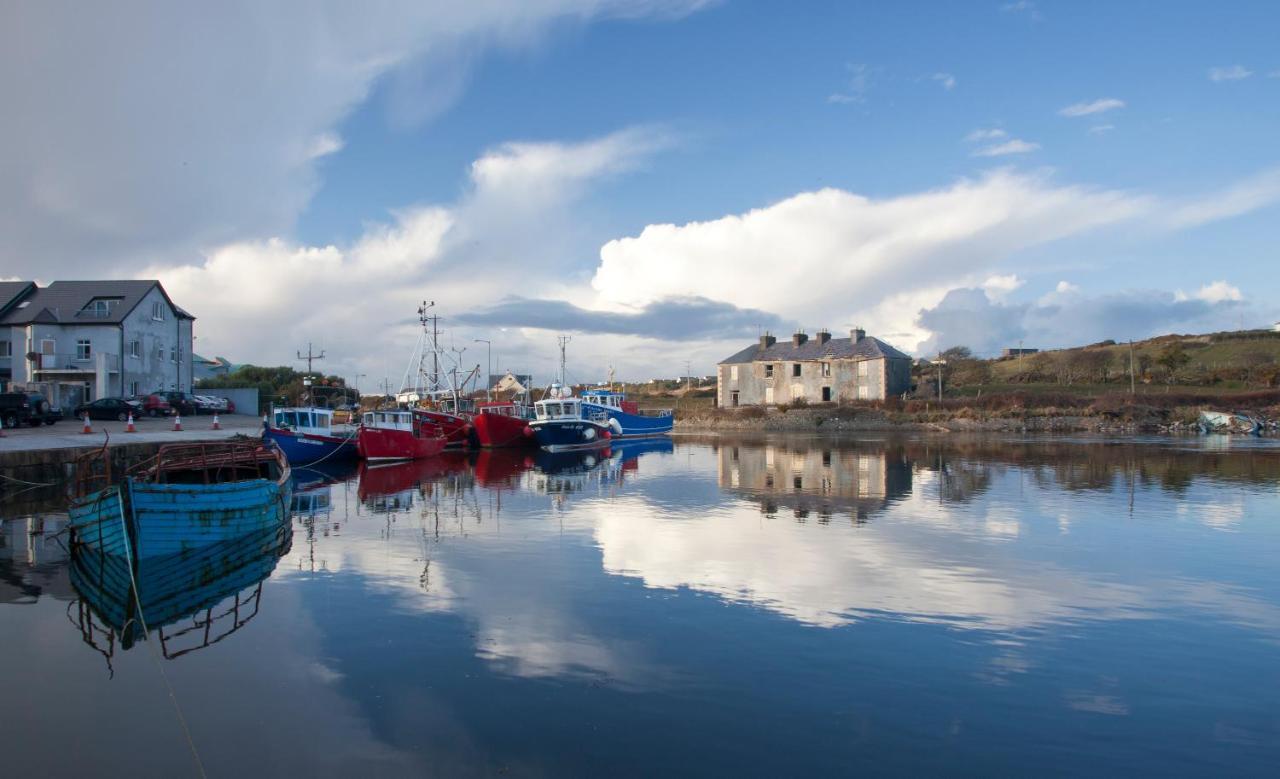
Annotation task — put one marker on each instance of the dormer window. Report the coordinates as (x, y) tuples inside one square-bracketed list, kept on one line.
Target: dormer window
[(99, 308)]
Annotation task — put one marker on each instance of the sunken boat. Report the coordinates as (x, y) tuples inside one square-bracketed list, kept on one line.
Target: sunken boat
[(186, 497)]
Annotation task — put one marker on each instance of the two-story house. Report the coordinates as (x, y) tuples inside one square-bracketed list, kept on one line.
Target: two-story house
[(82, 340), (818, 370)]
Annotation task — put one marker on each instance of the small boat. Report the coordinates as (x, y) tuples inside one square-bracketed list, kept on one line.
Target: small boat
[(502, 424), (562, 423), (398, 435), (118, 596), (306, 435), (452, 415), (1229, 422), (185, 497), (634, 422)]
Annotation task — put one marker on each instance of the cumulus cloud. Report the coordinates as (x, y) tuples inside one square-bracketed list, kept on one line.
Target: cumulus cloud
[(1229, 73), (947, 80), (1012, 146), (1066, 317), (1094, 107), (152, 132)]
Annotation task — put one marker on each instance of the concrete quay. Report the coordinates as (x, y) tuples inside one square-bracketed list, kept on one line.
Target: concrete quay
[(67, 434)]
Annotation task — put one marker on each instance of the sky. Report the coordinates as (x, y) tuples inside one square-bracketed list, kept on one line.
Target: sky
[(662, 180)]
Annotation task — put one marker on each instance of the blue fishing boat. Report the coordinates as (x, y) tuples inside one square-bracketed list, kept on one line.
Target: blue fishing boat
[(121, 597), (306, 435), (634, 423), (186, 497), (562, 422)]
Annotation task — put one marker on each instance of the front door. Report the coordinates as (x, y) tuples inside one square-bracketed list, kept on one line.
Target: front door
[(768, 394), (733, 398)]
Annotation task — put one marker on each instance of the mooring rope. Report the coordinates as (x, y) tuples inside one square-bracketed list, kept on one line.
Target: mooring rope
[(182, 720)]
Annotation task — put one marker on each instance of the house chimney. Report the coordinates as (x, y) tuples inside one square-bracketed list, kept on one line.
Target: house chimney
[(767, 340), (857, 334), (798, 339), (823, 336)]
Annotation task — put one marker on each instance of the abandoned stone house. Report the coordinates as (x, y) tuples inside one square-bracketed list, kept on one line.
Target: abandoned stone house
[(821, 369)]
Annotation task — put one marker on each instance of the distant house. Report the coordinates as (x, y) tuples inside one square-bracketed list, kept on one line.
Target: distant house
[(821, 369), (209, 368), (82, 340), (510, 382), (1019, 352)]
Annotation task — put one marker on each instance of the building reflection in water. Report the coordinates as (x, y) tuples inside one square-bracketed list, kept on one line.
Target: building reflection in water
[(816, 482)]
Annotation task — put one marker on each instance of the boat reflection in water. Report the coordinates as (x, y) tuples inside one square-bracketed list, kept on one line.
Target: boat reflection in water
[(189, 599), (391, 488), (311, 494), (806, 480)]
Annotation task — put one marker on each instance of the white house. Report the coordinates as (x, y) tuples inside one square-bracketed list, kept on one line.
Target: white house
[(82, 340)]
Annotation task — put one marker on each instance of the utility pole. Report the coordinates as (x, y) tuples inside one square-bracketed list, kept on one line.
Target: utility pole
[(488, 376), (939, 377), (310, 356), (688, 376), (360, 376), (564, 341), (1133, 385)]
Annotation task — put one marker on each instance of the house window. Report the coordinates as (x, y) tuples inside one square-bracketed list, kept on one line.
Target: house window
[(795, 369), (157, 311), (733, 372), (100, 307), (83, 349), (133, 388), (135, 348), (6, 349), (864, 368), (160, 352), (768, 370), (826, 370)]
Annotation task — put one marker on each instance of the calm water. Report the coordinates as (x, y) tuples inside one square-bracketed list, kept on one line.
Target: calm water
[(774, 606)]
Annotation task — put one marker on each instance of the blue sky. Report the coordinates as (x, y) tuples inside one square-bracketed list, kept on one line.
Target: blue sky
[(526, 157)]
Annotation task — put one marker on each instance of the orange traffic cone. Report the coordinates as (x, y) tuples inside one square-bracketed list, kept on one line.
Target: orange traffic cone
[(87, 429), (177, 423), (216, 426), (129, 428)]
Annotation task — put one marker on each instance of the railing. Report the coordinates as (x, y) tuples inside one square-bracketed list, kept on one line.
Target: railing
[(74, 362)]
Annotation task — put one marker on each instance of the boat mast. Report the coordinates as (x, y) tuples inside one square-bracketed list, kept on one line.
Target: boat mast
[(564, 341)]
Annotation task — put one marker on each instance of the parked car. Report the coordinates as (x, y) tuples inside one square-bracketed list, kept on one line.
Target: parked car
[(153, 405), (109, 408), (181, 402), (208, 404), (31, 408)]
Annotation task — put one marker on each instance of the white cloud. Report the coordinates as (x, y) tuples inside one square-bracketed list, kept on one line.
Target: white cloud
[(860, 76), (1215, 292), (1229, 73), (1095, 107), (947, 80), (1066, 288), (1242, 197), (998, 287), (175, 133), (1099, 129), (1011, 146), (990, 134)]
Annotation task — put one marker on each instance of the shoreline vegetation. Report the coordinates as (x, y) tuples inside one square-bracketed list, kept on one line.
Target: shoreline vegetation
[(1005, 412)]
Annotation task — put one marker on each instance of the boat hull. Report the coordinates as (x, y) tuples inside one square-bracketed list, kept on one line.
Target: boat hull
[(500, 431), (635, 425), (378, 444), (303, 448), (558, 435), (144, 520)]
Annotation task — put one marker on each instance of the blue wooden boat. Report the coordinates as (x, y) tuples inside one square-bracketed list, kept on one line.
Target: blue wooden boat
[(561, 423), (185, 497), (633, 422), (119, 595), (306, 435)]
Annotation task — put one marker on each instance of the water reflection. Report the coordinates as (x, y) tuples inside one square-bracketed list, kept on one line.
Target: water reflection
[(926, 595)]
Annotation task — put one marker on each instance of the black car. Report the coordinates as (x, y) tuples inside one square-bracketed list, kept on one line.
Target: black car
[(31, 408), (109, 408), (183, 403)]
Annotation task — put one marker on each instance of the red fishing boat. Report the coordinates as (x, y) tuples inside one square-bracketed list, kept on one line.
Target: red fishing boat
[(456, 427), (502, 424), (398, 435)]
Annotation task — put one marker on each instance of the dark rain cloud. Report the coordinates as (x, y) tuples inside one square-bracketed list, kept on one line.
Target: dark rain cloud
[(678, 319)]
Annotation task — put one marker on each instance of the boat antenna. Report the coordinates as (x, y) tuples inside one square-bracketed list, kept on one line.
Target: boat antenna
[(431, 321), (564, 341), (310, 356)]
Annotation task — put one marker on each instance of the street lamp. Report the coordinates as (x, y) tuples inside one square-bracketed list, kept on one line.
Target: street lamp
[(488, 376)]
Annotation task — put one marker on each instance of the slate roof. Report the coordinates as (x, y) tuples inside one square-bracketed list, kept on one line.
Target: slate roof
[(59, 302), (834, 349), (11, 293)]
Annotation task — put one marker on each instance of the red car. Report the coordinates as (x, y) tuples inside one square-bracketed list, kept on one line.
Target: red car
[(153, 405)]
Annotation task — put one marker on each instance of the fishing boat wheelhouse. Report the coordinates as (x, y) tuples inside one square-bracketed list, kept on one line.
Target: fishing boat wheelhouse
[(398, 435), (307, 435)]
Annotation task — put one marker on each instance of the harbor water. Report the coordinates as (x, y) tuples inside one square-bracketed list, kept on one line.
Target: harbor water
[(713, 606)]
